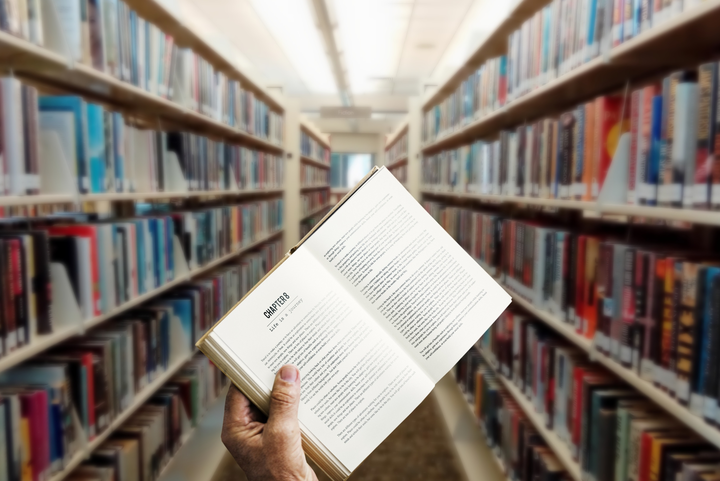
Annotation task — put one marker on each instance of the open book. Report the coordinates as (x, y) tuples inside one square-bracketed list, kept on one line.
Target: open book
[(374, 306)]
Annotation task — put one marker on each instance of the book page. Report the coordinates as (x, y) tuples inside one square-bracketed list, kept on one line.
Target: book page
[(420, 285), (357, 384)]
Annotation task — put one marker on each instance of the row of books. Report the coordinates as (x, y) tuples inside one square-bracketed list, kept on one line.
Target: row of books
[(662, 136), (611, 430), (483, 92), (566, 34), (561, 36), (143, 446), (398, 150), (650, 309), (114, 39), (401, 173), (100, 151), (509, 433), (311, 176), (306, 225), (311, 201), (309, 147), (479, 233), (52, 405), (109, 263)]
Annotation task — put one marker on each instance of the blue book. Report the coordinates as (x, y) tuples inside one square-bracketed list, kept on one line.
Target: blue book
[(164, 341), (121, 183), (134, 78), (76, 106), (709, 332), (579, 152), (140, 254), (653, 164), (96, 148), (169, 237), (156, 251)]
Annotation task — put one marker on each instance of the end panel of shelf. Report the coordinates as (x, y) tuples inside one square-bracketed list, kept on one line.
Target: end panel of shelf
[(475, 456)]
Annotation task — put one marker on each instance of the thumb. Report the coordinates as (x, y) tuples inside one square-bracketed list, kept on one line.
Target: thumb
[(285, 401)]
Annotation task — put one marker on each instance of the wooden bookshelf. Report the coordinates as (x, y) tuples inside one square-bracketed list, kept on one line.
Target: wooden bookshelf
[(682, 41), (558, 447), (158, 13), (314, 162), (656, 395), (705, 217), (395, 136), (202, 443), (52, 70), (493, 45), (399, 162), (476, 458), (316, 211), (140, 399), (43, 343)]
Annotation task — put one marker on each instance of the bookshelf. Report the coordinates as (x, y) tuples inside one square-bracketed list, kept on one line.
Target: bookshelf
[(682, 40), (478, 462), (315, 154), (239, 144), (551, 438), (397, 153), (202, 443), (655, 394)]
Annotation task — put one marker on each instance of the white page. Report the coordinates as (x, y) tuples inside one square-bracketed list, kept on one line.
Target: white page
[(433, 298), (357, 384)]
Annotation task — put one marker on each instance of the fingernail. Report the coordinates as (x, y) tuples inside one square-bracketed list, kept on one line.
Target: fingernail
[(289, 373)]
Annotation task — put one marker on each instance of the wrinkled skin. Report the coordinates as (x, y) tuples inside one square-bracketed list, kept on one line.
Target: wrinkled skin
[(268, 449)]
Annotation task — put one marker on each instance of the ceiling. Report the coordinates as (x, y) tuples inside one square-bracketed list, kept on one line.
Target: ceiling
[(390, 50)]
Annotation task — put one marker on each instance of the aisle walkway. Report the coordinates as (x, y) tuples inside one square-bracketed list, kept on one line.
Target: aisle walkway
[(419, 449)]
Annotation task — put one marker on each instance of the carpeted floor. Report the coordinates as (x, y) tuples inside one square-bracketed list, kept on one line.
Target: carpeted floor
[(419, 449)]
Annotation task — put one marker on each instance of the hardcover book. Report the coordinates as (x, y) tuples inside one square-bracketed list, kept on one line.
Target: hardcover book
[(374, 306)]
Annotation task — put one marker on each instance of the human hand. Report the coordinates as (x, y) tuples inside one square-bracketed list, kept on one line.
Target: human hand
[(272, 450)]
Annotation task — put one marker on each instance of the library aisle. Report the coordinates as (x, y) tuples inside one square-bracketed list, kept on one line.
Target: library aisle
[(158, 158)]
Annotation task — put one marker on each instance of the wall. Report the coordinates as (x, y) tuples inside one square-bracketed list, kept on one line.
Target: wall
[(360, 144)]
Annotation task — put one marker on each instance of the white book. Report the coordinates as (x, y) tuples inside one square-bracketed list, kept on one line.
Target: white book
[(334, 281), (14, 154)]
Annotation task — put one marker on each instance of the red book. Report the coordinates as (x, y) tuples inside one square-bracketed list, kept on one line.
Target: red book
[(609, 111), (89, 232)]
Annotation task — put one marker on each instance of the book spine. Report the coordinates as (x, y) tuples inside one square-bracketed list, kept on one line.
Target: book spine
[(628, 308), (686, 332), (635, 170)]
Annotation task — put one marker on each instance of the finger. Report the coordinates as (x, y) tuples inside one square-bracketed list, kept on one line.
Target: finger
[(285, 401), (238, 410)]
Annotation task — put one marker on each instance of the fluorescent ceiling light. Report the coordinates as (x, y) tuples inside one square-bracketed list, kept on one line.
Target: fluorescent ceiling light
[(371, 37), (292, 24)]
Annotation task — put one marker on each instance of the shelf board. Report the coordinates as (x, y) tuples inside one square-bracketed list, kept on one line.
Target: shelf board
[(475, 456), (315, 187), (202, 451), (695, 216), (680, 42), (27, 200), (43, 343), (39, 64), (140, 399), (656, 395), (314, 162), (397, 163), (558, 447), (316, 212)]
